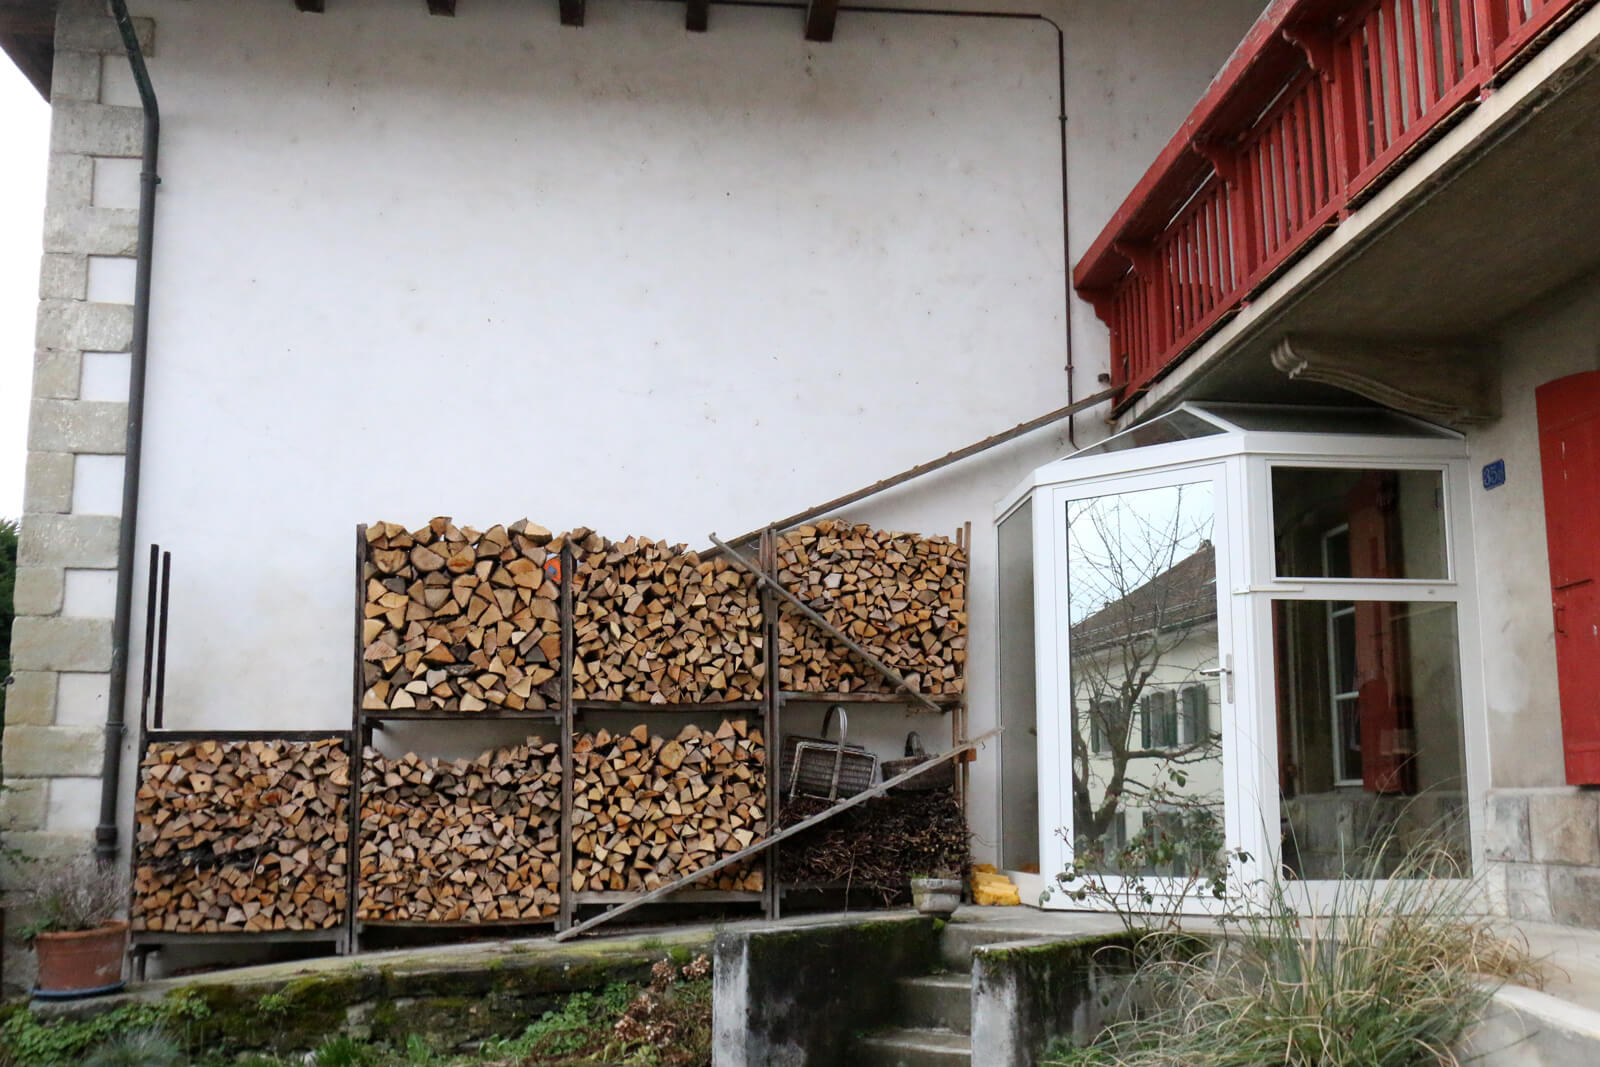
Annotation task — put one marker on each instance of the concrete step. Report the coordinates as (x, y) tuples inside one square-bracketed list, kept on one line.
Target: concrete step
[(959, 939), (915, 1048), (937, 1002)]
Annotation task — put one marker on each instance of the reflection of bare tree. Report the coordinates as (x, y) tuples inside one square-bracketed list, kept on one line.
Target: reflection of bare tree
[(1142, 577)]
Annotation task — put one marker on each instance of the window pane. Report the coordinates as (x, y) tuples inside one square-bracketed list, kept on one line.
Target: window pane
[(1142, 606), (1372, 768), (1340, 523)]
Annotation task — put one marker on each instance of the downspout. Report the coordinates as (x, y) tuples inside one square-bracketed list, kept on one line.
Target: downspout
[(105, 834)]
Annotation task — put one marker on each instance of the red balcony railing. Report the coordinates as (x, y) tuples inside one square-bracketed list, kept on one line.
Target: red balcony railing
[(1317, 106)]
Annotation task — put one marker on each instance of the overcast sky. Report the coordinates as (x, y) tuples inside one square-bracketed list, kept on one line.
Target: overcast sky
[(24, 136)]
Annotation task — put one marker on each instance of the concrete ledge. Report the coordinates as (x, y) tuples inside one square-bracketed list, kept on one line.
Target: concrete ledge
[(1027, 993), (455, 996), (1525, 1028), (788, 995)]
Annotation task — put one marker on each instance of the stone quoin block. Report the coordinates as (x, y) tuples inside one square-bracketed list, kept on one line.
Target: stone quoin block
[(68, 541), (1575, 896), (1527, 892), (84, 326), (40, 643), (22, 805), (1505, 836), (63, 276), (53, 751), (1564, 827), (75, 76), (48, 485), (80, 426), (96, 129), (56, 373), (38, 590), (78, 228), (31, 700), (69, 183), (84, 26)]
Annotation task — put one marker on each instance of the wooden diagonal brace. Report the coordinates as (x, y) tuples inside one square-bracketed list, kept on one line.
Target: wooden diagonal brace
[(809, 612), (768, 842)]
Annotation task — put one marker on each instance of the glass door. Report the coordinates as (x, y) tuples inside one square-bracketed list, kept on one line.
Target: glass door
[(1146, 700)]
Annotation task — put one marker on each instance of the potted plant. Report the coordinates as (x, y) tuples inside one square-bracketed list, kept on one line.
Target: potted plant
[(939, 894), (75, 933)]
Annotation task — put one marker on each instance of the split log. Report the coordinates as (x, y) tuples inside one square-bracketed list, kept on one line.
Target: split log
[(647, 810), (463, 841), (654, 623), (455, 620), (900, 596), (241, 836)]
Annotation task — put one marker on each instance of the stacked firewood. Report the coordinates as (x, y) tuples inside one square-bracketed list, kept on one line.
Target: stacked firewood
[(241, 836), (461, 621), (464, 841), (900, 596), (654, 623), (647, 810)]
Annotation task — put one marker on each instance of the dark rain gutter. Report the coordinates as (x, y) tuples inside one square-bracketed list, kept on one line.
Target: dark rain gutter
[(105, 833)]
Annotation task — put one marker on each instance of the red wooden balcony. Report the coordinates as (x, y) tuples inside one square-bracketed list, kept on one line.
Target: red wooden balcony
[(1319, 104)]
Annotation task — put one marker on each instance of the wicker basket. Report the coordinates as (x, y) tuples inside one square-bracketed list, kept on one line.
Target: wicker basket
[(818, 767), (941, 777)]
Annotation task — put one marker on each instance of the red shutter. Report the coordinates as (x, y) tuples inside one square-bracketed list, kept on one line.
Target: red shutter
[(1569, 451)]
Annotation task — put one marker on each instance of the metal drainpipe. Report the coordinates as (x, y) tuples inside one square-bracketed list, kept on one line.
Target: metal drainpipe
[(105, 834)]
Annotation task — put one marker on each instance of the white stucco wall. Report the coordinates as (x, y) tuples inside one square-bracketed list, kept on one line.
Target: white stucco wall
[(1557, 337), (622, 276)]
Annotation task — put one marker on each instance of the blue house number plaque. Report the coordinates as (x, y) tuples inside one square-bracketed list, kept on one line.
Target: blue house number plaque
[(1494, 474)]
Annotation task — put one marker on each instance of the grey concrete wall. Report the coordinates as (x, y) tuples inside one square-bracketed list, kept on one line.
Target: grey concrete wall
[(791, 996), (1026, 994)]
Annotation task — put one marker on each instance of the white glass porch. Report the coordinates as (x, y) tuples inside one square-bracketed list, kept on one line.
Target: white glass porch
[(1240, 627)]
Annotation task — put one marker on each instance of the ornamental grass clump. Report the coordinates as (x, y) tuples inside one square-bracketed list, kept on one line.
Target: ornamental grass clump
[(1392, 975)]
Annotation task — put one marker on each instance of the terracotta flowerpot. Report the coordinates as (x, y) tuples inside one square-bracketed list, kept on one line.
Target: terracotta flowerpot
[(82, 963)]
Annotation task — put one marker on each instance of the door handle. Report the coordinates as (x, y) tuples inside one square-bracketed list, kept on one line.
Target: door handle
[(1561, 619), (1225, 672)]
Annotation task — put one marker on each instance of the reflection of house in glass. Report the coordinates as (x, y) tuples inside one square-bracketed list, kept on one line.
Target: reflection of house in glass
[(1146, 751)]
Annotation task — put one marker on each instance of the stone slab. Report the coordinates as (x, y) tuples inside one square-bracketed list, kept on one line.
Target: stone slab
[(48, 484), (63, 276), (69, 183), (74, 76), (97, 427), (1564, 827), (1506, 828), (80, 229), (1528, 892), (60, 644), (68, 540), (94, 129), (39, 591), (53, 751), (85, 326), (84, 26), (31, 700), (1575, 896), (22, 805)]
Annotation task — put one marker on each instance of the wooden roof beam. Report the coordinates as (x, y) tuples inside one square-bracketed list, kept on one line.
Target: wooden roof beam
[(697, 15), (572, 12), (442, 7), (314, 6), (820, 17)]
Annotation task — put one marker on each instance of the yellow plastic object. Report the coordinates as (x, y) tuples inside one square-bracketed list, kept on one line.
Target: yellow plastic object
[(992, 888)]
